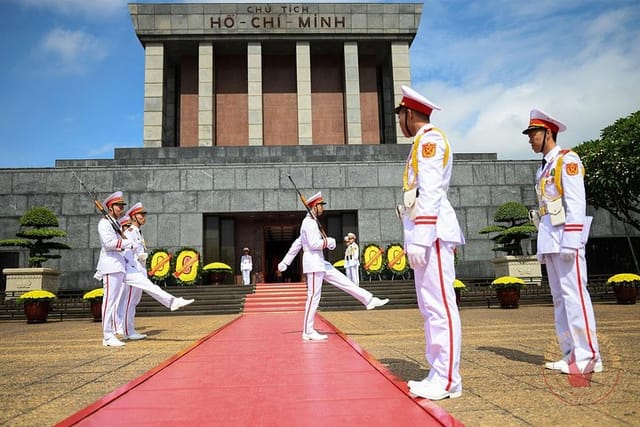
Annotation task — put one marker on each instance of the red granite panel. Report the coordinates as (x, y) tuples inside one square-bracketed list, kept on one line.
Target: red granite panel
[(369, 107), (232, 128), (327, 99), (280, 100), (188, 99)]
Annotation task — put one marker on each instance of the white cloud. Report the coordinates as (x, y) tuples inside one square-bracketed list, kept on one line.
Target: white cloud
[(576, 63), (71, 51)]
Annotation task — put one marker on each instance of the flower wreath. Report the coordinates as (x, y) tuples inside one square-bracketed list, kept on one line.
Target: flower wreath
[(373, 260), (186, 266), (159, 264), (396, 259)]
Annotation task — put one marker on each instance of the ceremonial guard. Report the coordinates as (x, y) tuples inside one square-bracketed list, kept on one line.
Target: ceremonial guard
[(563, 230), (313, 241), (431, 233), (352, 258), (246, 265), (111, 266), (137, 280)]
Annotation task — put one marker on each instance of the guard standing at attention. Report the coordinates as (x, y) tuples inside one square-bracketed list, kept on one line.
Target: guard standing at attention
[(352, 258), (431, 233), (563, 230), (246, 265)]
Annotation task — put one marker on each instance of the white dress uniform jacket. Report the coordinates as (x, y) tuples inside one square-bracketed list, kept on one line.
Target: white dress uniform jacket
[(435, 217), (313, 243), (111, 258), (575, 231)]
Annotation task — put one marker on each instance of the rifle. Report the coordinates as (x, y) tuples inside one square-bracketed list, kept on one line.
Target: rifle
[(101, 209), (304, 202)]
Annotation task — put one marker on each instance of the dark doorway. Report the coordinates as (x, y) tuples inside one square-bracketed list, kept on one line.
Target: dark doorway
[(277, 240), (7, 260)]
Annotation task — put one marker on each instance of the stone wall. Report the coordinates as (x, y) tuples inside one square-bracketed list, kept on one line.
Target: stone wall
[(178, 186)]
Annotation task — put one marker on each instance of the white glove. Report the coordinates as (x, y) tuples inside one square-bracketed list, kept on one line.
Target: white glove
[(331, 243), (142, 257), (417, 255), (282, 266), (567, 254)]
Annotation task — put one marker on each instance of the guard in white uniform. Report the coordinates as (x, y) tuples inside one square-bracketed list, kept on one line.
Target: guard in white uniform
[(431, 232), (111, 266), (246, 265), (313, 241), (137, 280), (563, 230), (352, 258)]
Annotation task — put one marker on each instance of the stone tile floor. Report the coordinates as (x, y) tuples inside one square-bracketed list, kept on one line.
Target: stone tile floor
[(49, 371)]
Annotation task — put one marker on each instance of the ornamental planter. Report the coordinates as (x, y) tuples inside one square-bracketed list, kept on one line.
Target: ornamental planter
[(96, 310), (508, 297), (20, 280), (37, 311), (626, 294), (458, 292), (525, 267), (217, 277)]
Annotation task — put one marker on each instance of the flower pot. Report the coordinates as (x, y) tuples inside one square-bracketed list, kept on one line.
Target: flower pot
[(508, 297), (217, 277), (626, 294), (96, 310), (458, 293), (36, 311)]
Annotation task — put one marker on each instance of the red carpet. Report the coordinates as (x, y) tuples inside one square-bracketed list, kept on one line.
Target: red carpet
[(276, 297), (257, 371)]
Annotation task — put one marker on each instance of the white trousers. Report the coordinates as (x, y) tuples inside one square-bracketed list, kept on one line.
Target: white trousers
[(442, 328), (314, 291), (113, 286), (573, 312), (135, 284), (353, 274), (246, 277)]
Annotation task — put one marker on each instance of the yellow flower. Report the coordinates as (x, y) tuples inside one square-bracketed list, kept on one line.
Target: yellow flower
[(217, 266), (94, 294), (624, 279), (457, 284), (508, 281), (39, 294)]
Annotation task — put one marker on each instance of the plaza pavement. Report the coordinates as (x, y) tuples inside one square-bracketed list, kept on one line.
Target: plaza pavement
[(50, 371)]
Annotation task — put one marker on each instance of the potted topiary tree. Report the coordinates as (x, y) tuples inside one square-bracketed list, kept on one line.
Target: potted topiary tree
[(513, 226), (38, 228)]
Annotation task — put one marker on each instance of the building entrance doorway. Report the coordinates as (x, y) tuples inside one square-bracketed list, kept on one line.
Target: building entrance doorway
[(277, 240)]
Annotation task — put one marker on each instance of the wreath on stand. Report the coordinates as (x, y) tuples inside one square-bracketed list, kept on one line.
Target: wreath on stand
[(373, 261), (396, 260), (159, 266), (187, 269)]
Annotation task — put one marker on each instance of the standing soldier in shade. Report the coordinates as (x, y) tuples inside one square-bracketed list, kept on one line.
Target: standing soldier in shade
[(313, 241), (111, 266), (137, 280), (246, 265), (431, 233), (563, 230), (352, 258)]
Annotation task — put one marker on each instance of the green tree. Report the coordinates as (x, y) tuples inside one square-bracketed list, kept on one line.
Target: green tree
[(612, 164), (37, 227), (518, 227)]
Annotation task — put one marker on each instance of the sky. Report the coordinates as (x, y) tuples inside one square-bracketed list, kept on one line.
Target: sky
[(72, 74)]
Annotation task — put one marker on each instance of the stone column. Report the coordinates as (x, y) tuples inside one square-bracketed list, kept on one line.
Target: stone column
[(401, 76), (303, 72), (352, 93), (153, 94), (205, 95), (254, 96)]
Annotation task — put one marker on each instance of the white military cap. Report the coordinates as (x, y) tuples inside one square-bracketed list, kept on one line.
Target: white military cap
[(538, 119), (316, 199), (414, 101), (114, 199)]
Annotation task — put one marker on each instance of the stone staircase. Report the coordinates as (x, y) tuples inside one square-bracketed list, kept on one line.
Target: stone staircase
[(277, 297)]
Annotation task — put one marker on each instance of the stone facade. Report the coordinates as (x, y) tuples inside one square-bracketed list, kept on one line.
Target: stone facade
[(178, 186)]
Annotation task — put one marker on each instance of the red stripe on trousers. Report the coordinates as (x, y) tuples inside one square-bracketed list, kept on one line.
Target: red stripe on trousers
[(446, 306), (106, 298), (584, 309), (126, 313), (309, 300)]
